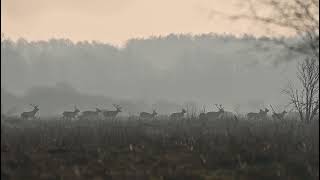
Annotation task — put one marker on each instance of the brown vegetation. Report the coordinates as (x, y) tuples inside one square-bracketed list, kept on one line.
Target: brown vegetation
[(159, 149)]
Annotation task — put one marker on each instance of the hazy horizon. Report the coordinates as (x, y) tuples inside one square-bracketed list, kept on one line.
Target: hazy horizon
[(208, 69), (148, 50)]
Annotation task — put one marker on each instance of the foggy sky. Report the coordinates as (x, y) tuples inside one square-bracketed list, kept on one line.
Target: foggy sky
[(116, 21), (206, 69)]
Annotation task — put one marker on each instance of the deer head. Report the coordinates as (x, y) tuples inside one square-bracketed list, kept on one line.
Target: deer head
[(154, 112), (76, 110), (117, 107)]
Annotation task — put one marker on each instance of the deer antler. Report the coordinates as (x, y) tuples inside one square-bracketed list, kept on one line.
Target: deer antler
[(272, 109), (220, 107), (34, 106), (116, 106)]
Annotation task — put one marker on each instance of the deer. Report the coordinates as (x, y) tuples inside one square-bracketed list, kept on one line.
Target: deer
[(260, 114), (215, 115), (90, 114), (69, 115), (178, 115), (112, 114), (279, 116), (30, 114), (264, 113), (253, 115), (145, 115), (203, 115)]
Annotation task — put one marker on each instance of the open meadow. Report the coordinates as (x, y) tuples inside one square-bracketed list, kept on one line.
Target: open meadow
[(160, 149)]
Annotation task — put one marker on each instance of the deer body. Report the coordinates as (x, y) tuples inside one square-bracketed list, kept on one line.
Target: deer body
[(145, 115), (178, 115), (30, 114), (215, 114), (90, 114), (112, 114), (259, 115), (226, 115), (69, 115), (252, 115)]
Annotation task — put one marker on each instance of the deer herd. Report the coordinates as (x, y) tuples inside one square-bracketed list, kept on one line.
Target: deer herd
[(69, 115), (111, 114)]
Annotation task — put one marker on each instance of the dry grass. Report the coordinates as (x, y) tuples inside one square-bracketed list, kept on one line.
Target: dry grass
[(162, 149)]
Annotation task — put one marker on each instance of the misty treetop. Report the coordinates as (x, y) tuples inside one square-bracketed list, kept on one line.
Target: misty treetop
[(217, 67)]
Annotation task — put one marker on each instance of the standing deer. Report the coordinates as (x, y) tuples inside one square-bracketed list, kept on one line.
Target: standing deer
[(178, 115), (112, 114), (279, 116), (145, 115), (30, 114), (90, 114), (263, 114), (69, 115), (215, 115), (259, 115)]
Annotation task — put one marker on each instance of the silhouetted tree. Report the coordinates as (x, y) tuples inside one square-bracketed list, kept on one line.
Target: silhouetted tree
[(302, 17), (306, 99), (299, 16)]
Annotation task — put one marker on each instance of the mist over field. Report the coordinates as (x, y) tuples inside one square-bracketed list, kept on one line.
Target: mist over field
[(160, 89), (242, 73)]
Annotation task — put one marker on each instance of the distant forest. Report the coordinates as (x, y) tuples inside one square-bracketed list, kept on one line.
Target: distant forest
[(206, 69)]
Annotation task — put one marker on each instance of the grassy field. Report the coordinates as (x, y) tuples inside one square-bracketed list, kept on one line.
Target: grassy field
[(130, 149)]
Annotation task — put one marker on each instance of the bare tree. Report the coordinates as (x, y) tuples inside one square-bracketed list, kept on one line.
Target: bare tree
[(302, 18), (306, 98), (298, 16)]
